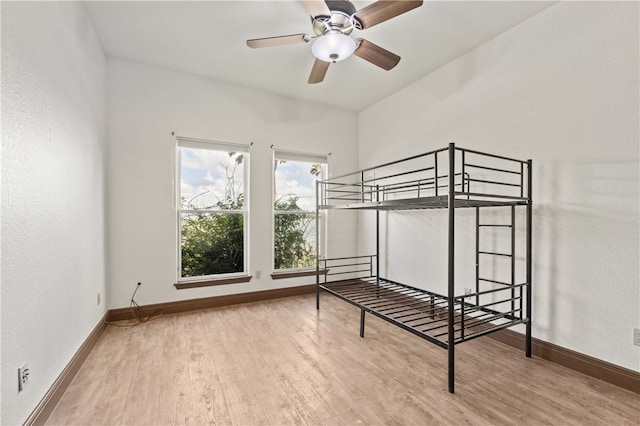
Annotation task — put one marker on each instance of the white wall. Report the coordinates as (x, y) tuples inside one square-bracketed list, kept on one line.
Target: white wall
[(53, 218), (145, 105), (561, 89)]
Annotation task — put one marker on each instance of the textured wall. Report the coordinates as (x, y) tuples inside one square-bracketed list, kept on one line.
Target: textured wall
[(562, 89), (146, 104), (53, 221)]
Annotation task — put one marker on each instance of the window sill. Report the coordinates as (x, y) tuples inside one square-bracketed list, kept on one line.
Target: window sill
[(295, 274), (211, 282)]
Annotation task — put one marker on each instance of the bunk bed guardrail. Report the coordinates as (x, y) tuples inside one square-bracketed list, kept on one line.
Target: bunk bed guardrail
[(479, 177)]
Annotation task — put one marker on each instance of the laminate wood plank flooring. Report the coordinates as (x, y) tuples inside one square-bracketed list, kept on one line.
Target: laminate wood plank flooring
[(281, 362)]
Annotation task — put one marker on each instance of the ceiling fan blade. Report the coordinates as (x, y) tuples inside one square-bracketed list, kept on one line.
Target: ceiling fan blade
[(277, 41), (377, 55), (383, 10), (317, 8), (318, 71)]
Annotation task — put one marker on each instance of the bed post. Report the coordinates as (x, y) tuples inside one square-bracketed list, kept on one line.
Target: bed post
[(378, 249), (378, 246), (513, 261), (317, 245), (529, 251), (477, 256), (451, 254)]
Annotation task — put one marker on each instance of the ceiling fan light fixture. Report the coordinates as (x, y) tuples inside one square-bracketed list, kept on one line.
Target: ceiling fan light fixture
[(333, 47)]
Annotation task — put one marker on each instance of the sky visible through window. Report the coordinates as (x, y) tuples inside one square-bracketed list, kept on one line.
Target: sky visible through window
[(207, 176), (295, 178)]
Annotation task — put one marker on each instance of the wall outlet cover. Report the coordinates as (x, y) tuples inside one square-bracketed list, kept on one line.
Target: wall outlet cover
[(23, 377)]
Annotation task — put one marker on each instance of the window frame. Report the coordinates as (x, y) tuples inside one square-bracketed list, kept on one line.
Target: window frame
[(321, 234), (222, 278)]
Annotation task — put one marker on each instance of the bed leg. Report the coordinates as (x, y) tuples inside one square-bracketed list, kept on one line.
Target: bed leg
[(361, 322), (528, 340), (452, 374), (433, 307)]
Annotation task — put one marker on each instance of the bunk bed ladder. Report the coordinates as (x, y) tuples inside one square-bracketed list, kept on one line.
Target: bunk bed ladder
[(511, 255)]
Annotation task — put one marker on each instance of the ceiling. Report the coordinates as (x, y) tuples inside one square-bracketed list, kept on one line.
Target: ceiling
[(207, 38)]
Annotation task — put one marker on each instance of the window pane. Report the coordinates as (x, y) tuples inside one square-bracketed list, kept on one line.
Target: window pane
[(294, 200), (295, 240), (211, 179), (295, 187), (211, 243)]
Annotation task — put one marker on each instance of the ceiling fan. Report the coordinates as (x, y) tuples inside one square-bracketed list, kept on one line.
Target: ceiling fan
[(333, 21)]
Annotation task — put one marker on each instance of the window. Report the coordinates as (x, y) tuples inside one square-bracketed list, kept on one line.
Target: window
[(294, 208), (212, 210)]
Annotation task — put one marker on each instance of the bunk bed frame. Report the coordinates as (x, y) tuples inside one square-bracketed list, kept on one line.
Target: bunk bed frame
[(468, 179)]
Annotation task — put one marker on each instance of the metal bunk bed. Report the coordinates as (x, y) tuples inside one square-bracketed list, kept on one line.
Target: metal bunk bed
[(447, 178)]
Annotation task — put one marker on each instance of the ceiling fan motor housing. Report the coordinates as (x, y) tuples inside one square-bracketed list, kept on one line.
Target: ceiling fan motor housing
[(340, 19)]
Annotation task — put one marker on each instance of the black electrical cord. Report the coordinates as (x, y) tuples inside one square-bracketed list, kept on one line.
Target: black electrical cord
[(136, 311)]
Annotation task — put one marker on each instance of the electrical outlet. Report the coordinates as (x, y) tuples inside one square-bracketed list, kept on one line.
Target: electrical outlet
[(98, 299), (636, 336), (23, 377), (258, 274), (467, 291)]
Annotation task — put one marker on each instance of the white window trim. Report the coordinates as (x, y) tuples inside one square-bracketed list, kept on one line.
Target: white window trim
[(216, 146)]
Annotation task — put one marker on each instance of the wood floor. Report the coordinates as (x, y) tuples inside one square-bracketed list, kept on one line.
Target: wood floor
[(281, 362)]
